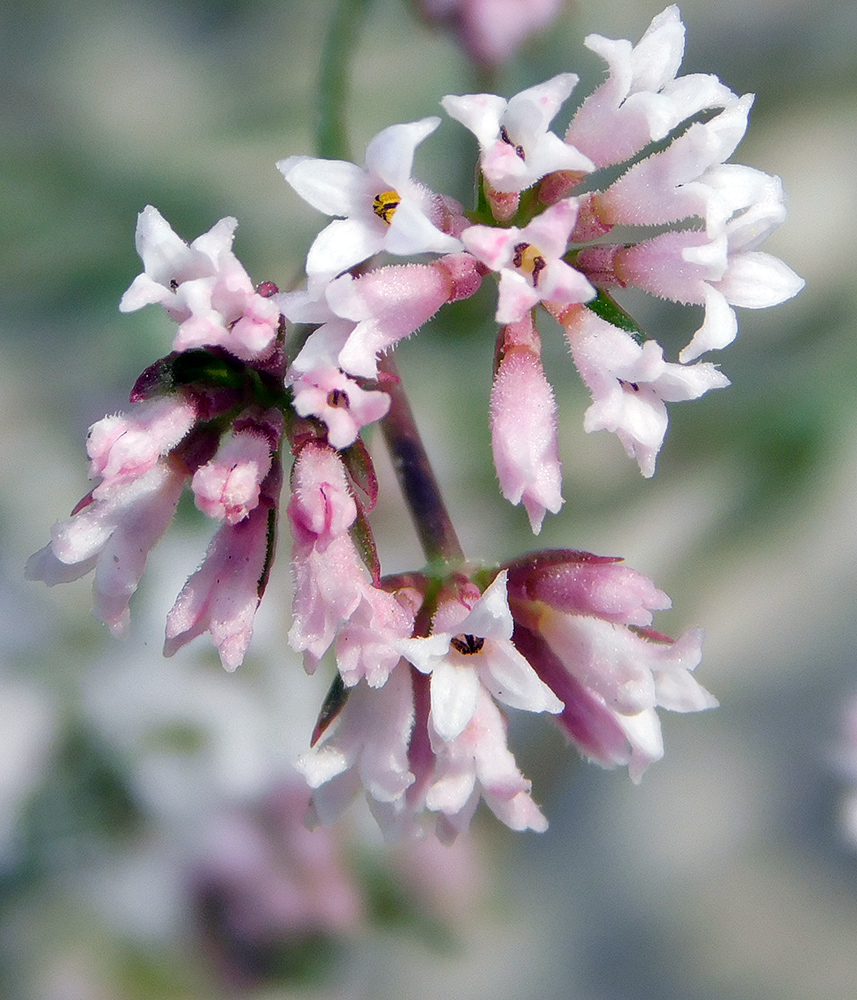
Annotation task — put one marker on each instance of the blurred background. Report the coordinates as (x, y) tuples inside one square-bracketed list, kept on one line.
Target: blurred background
[(149, 846)]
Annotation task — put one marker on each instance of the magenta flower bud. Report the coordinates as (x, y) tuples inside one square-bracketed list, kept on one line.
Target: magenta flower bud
[(227, 487)]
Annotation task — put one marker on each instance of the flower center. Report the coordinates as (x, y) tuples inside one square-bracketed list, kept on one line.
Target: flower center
[(337, 397), (467, 645), (528, 260), (385, 204), (519, 150)]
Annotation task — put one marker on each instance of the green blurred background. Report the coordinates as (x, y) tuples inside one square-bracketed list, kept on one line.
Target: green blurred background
[(725, 874)]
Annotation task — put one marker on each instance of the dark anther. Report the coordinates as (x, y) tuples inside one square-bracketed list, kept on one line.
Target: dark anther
[(467, 645), (337, 397)]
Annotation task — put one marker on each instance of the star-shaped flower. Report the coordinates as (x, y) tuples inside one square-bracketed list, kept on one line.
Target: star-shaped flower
[(530, 263), (472, 648), (517, 148), (380, 207)]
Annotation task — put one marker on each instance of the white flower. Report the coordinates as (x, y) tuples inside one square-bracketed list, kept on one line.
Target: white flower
[(469, 648), (517, 148), (379, 206), (630, 382)]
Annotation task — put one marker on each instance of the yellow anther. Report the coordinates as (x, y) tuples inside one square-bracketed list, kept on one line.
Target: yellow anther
[(529, 260), (385, 204)]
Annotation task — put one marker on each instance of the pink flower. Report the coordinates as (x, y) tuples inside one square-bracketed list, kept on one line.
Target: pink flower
[(367, 315), (327, 393), (529, 261), (642, 100), (112, 534), (492, 30), (333, 593), (223, 595), (366, 746), (125, 446), (572, 622), (203, 287), (719, 273), (478, 764), (630, 382), (524, 426)]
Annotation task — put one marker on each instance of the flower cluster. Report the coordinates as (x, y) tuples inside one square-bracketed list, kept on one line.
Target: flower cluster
[(427, 663)]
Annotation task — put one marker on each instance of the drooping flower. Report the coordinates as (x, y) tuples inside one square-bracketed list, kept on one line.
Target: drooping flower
[(203, 287), (379, 206), (630, 383), (222, 596), (125, 446), (112, 535), (227, 487), (530, 263), (333, 592), (583, 622), (516, 147), (366, 747)]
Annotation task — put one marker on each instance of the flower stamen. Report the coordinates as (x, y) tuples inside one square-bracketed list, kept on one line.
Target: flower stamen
[(385, 204), (467, 645), (529, 260)]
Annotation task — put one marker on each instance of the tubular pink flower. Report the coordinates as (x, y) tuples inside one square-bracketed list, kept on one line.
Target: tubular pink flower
[(223, 595), (687, 266), (203, 287), (524, 427), (610, 677), (673, 184), (517, 148), (380, 206), (630, 383), (333, 594), (127, 445), (529, 262), (112, 534), (642, 100), (367, 315)]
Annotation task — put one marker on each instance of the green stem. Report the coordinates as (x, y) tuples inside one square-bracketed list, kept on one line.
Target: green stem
[(416, 476), (340, 43)]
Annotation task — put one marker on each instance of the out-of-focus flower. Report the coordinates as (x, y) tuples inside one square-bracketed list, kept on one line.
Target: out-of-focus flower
[(491, 31), (380, 207)]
